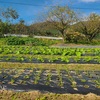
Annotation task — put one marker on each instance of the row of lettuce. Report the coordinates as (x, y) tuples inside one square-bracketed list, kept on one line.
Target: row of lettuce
[(40, 54), (39, 50), (49, 59)]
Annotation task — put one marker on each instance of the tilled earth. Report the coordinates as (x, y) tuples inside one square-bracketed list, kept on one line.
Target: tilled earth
[(55, 81)]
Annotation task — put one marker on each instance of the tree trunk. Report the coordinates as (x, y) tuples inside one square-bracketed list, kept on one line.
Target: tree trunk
[(63, 35)]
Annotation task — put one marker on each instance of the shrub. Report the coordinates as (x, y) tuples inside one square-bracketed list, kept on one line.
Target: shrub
[(30, 41), (75, 37), (15, 41), (1, 35), (95, 42)]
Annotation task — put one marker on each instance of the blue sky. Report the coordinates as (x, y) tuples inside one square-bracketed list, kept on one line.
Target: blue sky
[(31, 13)]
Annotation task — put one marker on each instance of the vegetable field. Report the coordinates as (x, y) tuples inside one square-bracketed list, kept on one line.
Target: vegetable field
[(44, 77), (56, 81), (41, 54)]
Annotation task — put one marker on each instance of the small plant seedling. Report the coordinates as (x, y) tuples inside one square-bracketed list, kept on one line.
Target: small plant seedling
[(12, 81), (48, 78), (86, 86), (83, 80), (74, 84), (60, 83), (26, 77)]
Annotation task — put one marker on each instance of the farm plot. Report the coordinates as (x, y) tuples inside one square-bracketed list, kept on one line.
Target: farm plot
[(17, 73), (49, 55), (50, 59), (51, 80), (49, 51)]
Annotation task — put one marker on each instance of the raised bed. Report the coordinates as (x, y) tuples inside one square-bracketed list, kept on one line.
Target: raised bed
[(50, 59), (49, 51), (57, 81)]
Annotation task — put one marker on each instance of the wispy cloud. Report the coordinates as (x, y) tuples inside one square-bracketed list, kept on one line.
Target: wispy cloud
[(89, 0)]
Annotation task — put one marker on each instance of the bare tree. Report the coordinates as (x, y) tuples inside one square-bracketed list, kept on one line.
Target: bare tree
[(90, 26), (61, 18), (9, 14)]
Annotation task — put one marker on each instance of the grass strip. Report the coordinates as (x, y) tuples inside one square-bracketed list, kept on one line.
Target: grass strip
[(95, 67), (36, 95)]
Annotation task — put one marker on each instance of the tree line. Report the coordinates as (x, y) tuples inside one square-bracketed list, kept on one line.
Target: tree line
[(59, 21)]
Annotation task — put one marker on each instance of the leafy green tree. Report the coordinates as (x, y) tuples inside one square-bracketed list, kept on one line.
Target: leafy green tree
[(21, 28), (4, 28), (8, 14)]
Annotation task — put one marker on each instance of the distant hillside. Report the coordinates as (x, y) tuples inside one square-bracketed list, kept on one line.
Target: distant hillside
[(44, 28)]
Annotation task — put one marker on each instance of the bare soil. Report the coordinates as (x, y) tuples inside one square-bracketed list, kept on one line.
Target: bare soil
[(72, 45)]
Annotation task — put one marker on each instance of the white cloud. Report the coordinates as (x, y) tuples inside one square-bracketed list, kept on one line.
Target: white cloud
[(89, 0)]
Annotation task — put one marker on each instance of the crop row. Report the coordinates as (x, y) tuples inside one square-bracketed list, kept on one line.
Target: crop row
[(60, 78), (49, 51), (50, 59)]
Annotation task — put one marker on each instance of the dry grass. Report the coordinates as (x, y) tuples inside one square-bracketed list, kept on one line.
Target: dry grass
[(51, 66), (36, 95)]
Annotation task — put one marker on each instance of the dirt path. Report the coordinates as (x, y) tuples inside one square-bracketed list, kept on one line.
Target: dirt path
[(75, 46)]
